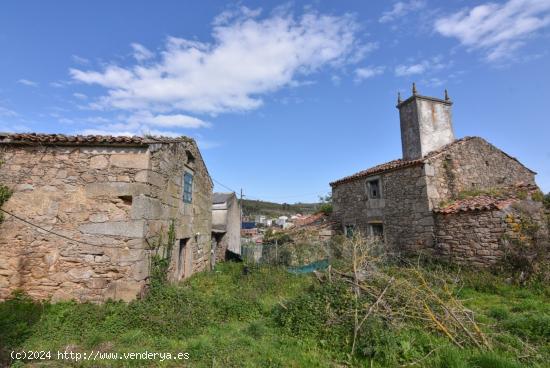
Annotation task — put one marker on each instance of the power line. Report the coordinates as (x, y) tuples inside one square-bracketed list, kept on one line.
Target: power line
[(223, 185), (46, 230), (292, 196), (258, 198)]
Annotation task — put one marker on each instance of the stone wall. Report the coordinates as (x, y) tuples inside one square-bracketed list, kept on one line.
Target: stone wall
[(481, 238), (472, 164), (472, 238), (408, 221), (109, 200), (403, 209), (234, 225), (193, 221)]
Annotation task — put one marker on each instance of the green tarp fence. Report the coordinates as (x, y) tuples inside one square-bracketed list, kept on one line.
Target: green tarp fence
[(319, 265)]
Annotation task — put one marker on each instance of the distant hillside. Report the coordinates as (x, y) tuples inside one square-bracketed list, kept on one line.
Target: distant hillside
[(271, 209)]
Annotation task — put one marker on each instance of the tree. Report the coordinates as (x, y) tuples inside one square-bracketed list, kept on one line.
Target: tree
[(546, 201), (325, 205)]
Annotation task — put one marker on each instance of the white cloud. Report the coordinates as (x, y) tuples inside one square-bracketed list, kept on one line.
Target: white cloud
[(141, 53), (80, 60), (404, 70), (27, 82), (499, 29), (7, 112), (430, 65), (173, 121), (249, 57), (368, 72), (401, 9), (433, 82), (12, 128), (143, 122), (80, 96)]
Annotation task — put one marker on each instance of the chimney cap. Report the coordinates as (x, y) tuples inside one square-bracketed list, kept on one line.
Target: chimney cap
[(415, 95)]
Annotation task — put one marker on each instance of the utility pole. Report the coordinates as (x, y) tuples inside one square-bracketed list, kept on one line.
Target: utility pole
[(241, 205)]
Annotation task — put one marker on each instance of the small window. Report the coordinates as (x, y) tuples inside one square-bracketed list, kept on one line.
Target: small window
[(377, 230), (373, 189), (349, 230), (190, 158), (187, 187)]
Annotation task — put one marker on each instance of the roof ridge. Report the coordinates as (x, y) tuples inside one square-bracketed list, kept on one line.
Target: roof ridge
[(58, 138), (399, 163)]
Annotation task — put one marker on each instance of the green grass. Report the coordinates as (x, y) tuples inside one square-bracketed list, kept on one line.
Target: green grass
[(271, 318)]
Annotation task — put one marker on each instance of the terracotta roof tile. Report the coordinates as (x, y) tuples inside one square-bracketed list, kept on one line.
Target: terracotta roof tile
[(61, 139), (388, 166), (399, 164), (480, 203), (486, 202), (396, 164)]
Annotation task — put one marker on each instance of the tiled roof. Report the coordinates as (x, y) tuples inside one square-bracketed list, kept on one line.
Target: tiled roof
[(486, 202), (388, 166), (399, 164), (218, 198), (479, 203), (88, 140)]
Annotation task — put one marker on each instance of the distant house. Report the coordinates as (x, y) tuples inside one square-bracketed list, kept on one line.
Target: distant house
[(281, 221), (86, 211), (416, 203), (260, 219), (226, 219)]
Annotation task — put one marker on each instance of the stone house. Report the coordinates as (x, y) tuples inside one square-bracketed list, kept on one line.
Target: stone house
[(404, 202), (226, 225), (86, 211)]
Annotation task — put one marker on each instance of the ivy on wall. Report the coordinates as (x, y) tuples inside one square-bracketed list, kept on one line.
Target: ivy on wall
[(161, 257), (5, 194)]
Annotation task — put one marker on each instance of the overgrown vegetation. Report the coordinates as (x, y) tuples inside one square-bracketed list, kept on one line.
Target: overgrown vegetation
[(364, 312), (256, 207), (546, 201), (527, 250), (325, 204), (161, 257), (5, 194)]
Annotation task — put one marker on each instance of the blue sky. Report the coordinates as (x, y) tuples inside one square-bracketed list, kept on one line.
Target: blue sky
[(282, 97)]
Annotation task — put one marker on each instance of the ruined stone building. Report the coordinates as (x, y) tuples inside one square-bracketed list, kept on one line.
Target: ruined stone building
[(453, 199), (226, 225), (86, 211)]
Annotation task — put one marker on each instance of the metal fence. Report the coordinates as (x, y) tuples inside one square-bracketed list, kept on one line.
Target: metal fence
[(298, 258)]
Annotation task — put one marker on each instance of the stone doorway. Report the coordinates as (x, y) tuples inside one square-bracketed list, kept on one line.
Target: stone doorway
[(184, 254), (216, 241)]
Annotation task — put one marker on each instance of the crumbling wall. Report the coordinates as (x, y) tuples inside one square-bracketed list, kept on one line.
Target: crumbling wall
[(472, 237), (82, 193), (482, 238), (471, 164), (113, 202)]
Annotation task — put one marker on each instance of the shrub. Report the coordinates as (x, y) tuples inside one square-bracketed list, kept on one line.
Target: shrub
[(17, 317), (546, 201)]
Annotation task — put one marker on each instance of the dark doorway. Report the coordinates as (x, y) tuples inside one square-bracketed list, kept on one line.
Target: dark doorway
[(216, 242), (182, 256)]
